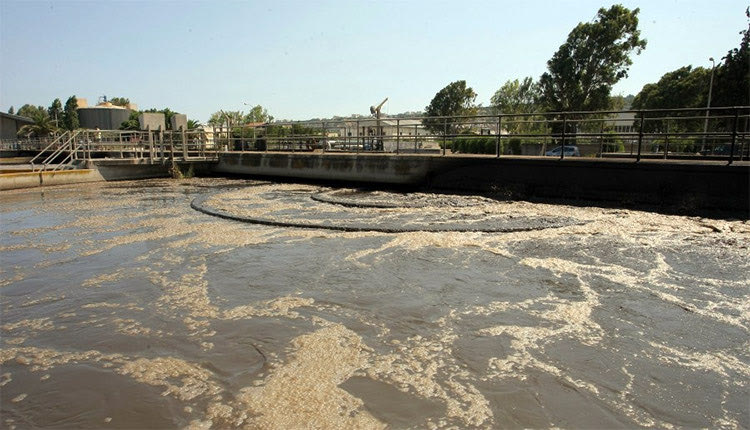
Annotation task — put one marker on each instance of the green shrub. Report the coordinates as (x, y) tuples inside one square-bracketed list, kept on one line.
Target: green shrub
[(475, 145), (612, 143)]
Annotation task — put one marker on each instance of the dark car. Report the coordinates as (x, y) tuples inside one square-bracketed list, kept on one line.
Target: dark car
[(722, 149)]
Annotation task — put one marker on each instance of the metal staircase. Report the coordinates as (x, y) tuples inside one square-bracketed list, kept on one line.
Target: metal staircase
[(66, 142)]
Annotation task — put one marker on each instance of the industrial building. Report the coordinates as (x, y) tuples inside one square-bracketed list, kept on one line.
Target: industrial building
[(104, 116)]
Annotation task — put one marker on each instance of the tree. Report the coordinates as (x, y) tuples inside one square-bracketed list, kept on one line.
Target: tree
[(258, 114), (221, 118), (132, 122), (595, 56), (192, 124), (685, 87), (55, 111), (732, 81), (43, 126), (120, 101), (516, 97), (11, 111), (31, 111), (70, 114), (456, 99)]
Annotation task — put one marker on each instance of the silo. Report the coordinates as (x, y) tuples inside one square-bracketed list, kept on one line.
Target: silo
[(104, 116)]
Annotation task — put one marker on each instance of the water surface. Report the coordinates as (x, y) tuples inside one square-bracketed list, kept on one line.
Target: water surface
[(123, 307)]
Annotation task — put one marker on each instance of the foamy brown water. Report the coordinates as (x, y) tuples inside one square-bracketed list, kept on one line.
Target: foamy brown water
[(122, 307)]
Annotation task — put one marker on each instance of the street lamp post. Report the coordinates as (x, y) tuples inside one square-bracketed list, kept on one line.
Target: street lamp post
[(708, 105)]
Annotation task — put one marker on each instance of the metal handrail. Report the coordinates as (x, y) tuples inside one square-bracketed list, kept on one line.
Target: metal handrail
[(46, 148), (59, 150), (70, 155)]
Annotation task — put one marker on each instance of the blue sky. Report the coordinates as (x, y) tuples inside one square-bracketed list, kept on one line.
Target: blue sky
[(305, 59)]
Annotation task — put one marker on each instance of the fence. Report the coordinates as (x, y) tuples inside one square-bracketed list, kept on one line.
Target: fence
[(154, 146), (709, 133)]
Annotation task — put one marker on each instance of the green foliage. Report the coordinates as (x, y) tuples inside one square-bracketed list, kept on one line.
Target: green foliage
[(11, 111), (258, 114), (612, 143), (514, 146), (620, 102), (237, 118), (516, 97), (475, 145), (31, 111), (519, 97), (192, 124), (684, 87), (132, 122), (732, 81), (595, 56), (222, 118), (55, 111), (70, 114), (455, 99), (120, 101), (43, 126)]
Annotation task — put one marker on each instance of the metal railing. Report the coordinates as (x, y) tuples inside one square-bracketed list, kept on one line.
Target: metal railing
[(663, 134), (152, 146), (639, 134)]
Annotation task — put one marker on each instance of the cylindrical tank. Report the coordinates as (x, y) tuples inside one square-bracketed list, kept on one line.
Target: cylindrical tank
[(104, 116)]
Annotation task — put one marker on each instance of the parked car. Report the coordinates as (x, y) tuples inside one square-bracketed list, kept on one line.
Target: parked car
[(721, 149), (570, 151)]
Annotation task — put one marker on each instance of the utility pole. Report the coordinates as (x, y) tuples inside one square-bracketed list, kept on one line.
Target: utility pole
[(708, 105)]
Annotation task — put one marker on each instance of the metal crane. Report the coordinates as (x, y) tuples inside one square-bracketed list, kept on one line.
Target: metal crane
[(375, 110)]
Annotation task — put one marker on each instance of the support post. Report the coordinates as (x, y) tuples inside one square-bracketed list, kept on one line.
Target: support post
[(150, 145), (734, 135), (398, 134), (640, 136), (325, 140), (415, 138), (445, 133), (564, 127), (497, 139)]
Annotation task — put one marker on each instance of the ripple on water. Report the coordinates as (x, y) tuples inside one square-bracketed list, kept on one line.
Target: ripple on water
[(615, 319)]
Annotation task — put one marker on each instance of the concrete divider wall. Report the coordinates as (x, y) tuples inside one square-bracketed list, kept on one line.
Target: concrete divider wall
[(392, 169), (677, 185), (10, 181), (681, 185)]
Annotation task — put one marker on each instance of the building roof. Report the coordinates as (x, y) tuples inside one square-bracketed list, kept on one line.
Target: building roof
[(16, 118), (105, 105)]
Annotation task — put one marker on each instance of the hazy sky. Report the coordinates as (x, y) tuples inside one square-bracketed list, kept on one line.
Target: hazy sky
[(304, 59)]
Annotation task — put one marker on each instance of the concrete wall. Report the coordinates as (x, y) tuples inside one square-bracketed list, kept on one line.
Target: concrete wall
[(128, 169), (10, 181), (390, 169), (178, 120), (151, 120), (680, 185)]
